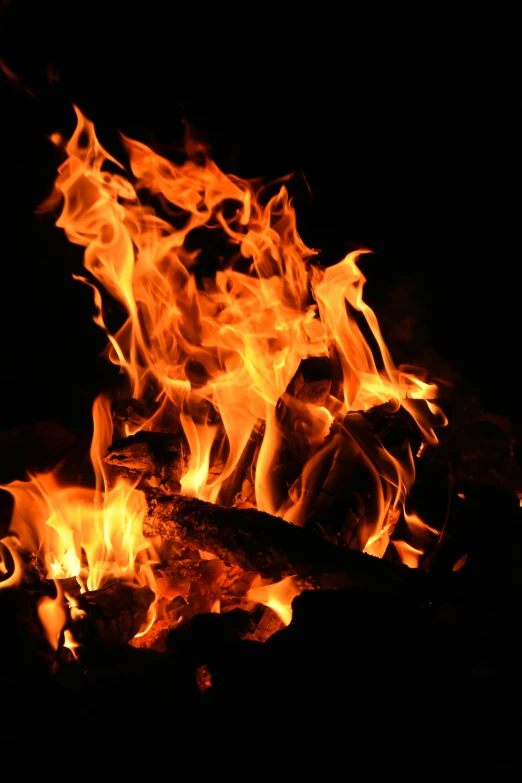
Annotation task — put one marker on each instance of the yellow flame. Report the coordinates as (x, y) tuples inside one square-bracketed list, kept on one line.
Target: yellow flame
[(232, 345), (421, 536), (214, 359), (91, 534), (13, 579), (70, 642), (52, 615), (277, 596)]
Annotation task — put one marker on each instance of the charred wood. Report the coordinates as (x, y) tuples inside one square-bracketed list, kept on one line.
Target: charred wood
[(158, 457), (312, 382), (260, 542), (113, 614)]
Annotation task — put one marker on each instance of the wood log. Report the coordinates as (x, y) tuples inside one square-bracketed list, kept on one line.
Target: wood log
[(160, 458), (256, 541), (312, 382), (113, 614)]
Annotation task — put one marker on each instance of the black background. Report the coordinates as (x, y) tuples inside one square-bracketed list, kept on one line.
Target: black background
[(400, 132)]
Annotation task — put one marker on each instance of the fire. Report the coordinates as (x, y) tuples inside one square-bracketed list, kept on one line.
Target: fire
[(421, 535), (214, 359), (408, 554), (52, 615), (90, 534), (65, 523), (11, 566), (277, 596)]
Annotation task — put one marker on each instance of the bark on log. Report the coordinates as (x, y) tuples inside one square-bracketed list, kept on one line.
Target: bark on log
[(113, 614), (260, 542), (158, 457)]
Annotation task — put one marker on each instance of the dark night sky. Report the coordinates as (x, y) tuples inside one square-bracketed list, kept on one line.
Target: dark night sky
[(405, 141)]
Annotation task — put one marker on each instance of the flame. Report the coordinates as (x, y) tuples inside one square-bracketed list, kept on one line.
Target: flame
[(70, 642), (408, 554), (56, 139), (11, 568), (214, 357), (11, 75), (74, 535), (277, 596), (52, 615), (91, 534)]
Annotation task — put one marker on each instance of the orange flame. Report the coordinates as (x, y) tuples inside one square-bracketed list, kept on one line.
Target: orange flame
[(52, 615), (421, 535), (93, 535), (277, 596), (11, 567), (216, 358)]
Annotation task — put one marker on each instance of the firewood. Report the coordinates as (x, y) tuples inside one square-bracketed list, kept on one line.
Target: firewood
[(163, 458), (256, 541), (113, 614), (129, 411), (159, 458), (330, 506), (312, 382)]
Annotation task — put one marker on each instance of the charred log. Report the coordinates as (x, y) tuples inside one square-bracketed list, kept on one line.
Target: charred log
[(312, 382), (158, 457), (130, 411), (260, 542), (113, 614)]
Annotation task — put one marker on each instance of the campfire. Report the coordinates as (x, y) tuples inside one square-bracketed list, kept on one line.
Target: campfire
[(263, 459)]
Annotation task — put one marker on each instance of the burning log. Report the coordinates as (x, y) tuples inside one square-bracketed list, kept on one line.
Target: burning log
[(256, 541), (159, 458), (163, 458), (113, 614), (312, 382)]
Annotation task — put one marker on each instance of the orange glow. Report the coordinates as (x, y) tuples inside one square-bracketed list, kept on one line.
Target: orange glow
[(93, 535), (11, 567), (74, 535), (56, 139), (70, 642), (408, 554), (277, 596), (421, 536), (217, 357), (8, 72), (52, 615)]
